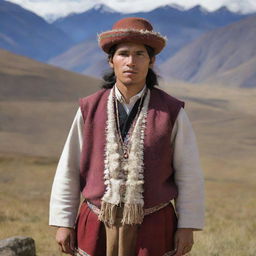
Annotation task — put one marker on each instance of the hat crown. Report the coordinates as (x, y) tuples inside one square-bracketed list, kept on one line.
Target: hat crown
[(132, 29), (133, 23)]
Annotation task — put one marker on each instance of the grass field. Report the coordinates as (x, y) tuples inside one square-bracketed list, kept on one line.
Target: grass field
[(230, 213), (224, 121)]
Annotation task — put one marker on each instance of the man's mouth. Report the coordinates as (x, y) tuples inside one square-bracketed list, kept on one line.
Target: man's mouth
[(130, 72)]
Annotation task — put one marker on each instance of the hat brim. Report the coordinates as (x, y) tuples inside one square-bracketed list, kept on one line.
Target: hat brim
[(153, 39)]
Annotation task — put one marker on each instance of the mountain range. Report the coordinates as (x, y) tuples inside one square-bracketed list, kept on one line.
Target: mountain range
[(25, 33), (166, 19), (71, 42), (180, 26), (225, 56)]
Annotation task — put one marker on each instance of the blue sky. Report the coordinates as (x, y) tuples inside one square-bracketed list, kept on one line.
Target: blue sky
[(58, 8)]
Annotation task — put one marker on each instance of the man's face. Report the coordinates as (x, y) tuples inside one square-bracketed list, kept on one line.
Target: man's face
[(130, 63)]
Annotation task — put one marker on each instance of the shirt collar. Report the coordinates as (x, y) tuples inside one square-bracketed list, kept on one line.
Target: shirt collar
[(133, 99)]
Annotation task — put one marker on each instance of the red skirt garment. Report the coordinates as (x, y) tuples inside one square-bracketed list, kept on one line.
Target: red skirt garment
[(155, 237)]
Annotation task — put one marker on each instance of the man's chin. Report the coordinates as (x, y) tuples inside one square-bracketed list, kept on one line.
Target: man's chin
[(130, 82)]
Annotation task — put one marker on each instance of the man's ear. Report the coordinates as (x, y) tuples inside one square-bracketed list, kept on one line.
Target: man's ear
[(152, 61), (110, 62)]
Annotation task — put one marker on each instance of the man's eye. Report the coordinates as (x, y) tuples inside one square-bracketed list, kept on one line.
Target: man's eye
[(123, 53)]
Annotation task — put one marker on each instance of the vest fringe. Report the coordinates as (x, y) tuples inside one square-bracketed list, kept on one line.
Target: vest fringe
[(107, 213), (133, 214)]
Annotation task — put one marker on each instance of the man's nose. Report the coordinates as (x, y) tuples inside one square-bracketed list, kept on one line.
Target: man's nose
[(131, 60)]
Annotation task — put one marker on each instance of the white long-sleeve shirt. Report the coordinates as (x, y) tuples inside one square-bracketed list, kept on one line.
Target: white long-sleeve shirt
[(189, 205)]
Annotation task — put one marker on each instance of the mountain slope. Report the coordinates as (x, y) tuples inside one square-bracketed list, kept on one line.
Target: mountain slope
[(80, 57), (28, 80), (38, 103), (243, 74), (25, 33), (216, 52), (86, 58)]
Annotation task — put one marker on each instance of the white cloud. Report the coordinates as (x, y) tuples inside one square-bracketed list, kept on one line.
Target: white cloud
[(58, 8), (241, 5), (138, 5)]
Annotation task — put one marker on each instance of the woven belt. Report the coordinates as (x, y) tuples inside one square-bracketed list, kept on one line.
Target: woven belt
[(147, 211)]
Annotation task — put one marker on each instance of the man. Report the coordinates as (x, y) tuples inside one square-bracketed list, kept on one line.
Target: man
[(130, 151)]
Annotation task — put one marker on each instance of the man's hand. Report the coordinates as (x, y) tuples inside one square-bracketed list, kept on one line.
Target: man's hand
[(65, 237), (183, 241)]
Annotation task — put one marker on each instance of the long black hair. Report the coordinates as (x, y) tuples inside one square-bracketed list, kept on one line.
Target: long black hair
[(109, 78)]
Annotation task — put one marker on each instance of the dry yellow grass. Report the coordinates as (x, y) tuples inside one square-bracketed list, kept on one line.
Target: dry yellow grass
[(24, 197), (224, 121)]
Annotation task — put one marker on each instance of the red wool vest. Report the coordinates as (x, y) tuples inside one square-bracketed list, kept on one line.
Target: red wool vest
[(159, 185)]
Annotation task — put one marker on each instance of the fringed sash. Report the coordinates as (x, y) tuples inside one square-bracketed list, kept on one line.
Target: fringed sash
[(124, 176)]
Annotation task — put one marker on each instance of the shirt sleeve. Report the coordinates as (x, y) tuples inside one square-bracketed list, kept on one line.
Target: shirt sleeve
[(188, 175), (65, 194)]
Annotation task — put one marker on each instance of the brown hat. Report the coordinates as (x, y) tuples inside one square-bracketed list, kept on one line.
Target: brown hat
[(132, 29)]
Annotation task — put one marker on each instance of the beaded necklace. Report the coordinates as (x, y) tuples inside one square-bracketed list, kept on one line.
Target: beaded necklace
[(125, 144)]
